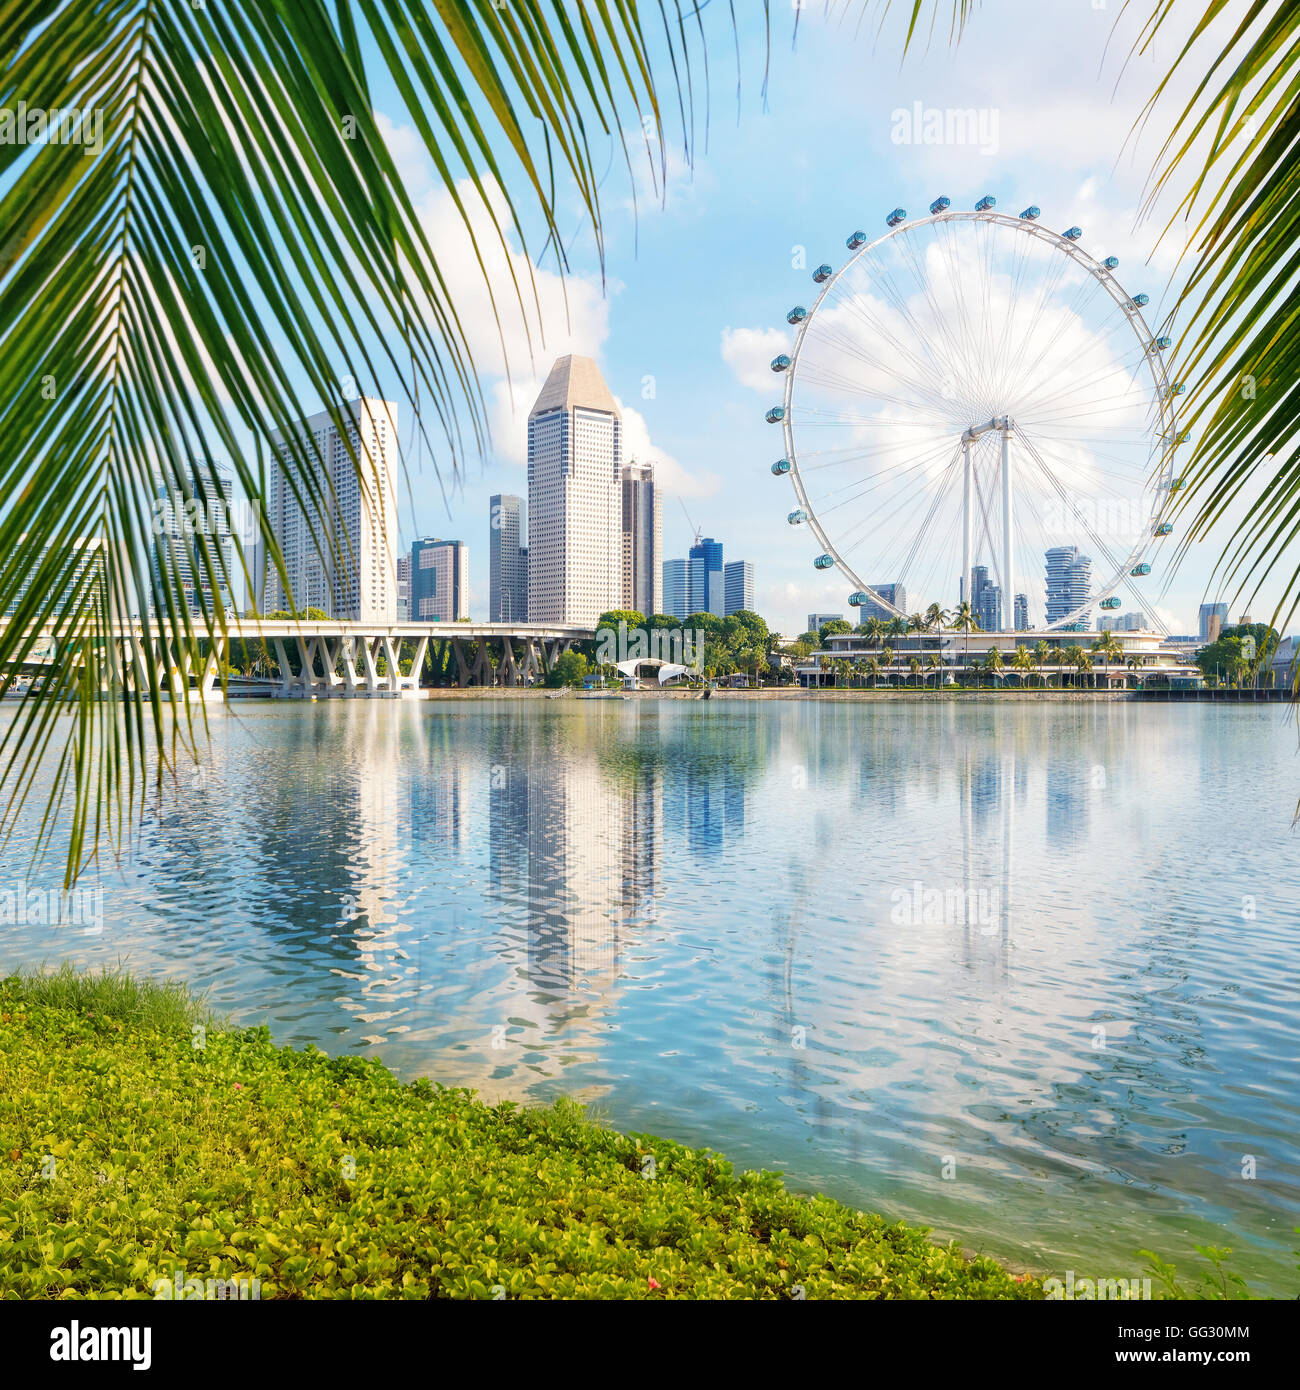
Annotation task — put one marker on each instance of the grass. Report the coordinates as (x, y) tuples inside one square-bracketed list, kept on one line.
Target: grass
[(145, 1148), (111, 994)]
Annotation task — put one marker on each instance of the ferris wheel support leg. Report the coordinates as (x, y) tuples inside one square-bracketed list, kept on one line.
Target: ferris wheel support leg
[(1008, 582), (964, 593)]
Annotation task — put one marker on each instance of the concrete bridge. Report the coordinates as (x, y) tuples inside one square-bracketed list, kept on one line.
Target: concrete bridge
[(335, 659)]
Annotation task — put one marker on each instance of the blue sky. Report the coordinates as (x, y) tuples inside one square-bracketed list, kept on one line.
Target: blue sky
[(698, 284)]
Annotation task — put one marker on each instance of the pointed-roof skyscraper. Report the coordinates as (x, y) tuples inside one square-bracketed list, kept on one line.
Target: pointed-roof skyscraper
[(575, 522)]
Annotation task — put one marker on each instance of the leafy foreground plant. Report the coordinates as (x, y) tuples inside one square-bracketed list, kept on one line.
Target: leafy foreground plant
[(138, 1143)]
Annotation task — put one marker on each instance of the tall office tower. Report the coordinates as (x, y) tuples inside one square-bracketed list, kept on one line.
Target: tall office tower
[(891, 593), (986, 599), (404, 587), (677, 588), (439, 581), (575, 512), (1208, 611), (1022, 613), (708, 593), (1069, 582), (182, 526), (643, 540), (507, 560), (738, 587), (341, 552)]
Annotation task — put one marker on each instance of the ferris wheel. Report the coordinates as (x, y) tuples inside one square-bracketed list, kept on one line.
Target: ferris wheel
[(975, 412)]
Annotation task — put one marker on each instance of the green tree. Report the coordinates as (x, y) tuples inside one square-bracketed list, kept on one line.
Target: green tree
[(1023, 663), (569, 669)]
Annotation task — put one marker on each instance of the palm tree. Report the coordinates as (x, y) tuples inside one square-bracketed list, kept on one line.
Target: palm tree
[(914, 663), (933, 662), (1108, 648), (993, 663), (964, 620), (896, 627), (1041, 652), (871, 667), (1056, 657), (935, 617), (873, 630), (1023, 662), (886, 660)]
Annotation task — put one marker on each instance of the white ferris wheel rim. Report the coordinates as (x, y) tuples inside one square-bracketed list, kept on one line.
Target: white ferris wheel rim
[(1153, 360)]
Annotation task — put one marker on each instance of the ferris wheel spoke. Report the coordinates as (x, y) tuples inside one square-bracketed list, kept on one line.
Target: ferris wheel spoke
[(967, 386)]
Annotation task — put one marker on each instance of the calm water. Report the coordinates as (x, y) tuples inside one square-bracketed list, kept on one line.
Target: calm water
[(1024, 973)]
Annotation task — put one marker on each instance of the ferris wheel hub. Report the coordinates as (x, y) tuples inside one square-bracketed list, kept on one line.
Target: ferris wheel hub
[(999, 422)]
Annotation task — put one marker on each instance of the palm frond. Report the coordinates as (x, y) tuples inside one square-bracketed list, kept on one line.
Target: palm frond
[(1240, 351), (231, 247)]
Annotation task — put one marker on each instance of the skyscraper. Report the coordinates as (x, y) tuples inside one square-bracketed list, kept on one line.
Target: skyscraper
[(986, 599), (1209, 611), (575, 536), (439, 581), (1069, 582), (677, 588), (340, 554), (404, 587), (1022, 613), (708, 591), (891, 593), (738, 587), (507, 560), (182, 528), (643, 543)]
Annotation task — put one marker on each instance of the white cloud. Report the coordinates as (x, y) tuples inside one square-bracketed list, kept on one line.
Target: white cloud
[(674, 479), (516, 334), (749, 353)]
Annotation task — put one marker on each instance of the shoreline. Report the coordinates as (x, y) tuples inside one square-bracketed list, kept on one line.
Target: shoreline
[(311, 1176)]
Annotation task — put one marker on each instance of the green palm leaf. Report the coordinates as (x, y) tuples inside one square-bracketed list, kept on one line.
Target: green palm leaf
[(236, 249), (1241, 133)]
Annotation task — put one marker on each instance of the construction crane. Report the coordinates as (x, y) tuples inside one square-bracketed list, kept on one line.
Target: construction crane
[(698, 533)]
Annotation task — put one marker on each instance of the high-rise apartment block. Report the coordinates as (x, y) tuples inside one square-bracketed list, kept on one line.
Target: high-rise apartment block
[(507, 560), (575, 513), (340, 549), (1069, 584), (184, 528), (439, 581)]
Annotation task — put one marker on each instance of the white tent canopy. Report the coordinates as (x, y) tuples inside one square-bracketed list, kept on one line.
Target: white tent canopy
[(665, 671)]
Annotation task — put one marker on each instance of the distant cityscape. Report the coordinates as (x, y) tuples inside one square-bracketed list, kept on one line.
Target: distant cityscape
[(587, 539), (595, 543)]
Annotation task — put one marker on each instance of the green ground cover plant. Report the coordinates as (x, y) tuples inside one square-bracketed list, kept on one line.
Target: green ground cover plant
[(139, 1137)]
